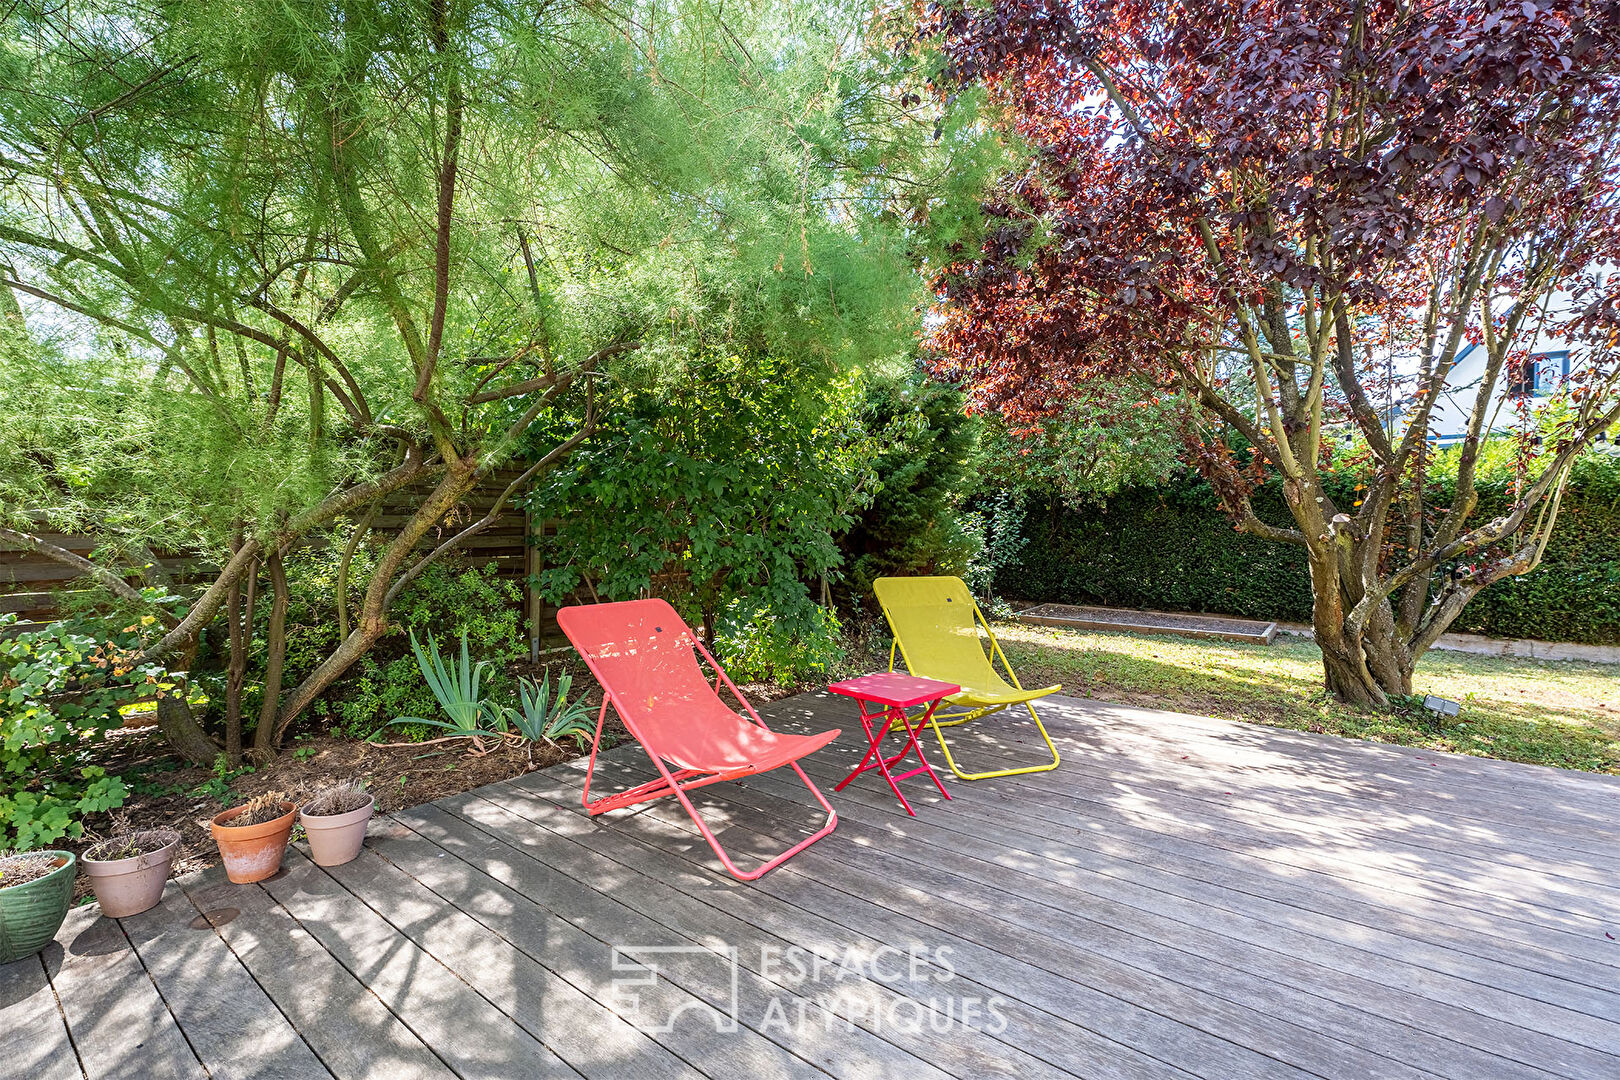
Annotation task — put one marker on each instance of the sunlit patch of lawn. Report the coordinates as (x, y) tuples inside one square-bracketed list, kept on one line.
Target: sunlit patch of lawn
[(1563, 713)]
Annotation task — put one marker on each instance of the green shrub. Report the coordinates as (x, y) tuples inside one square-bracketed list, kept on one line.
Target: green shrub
[(923, 444), (759, 645), (1170, 547), (721, 493), (60, 692), (447, 600)]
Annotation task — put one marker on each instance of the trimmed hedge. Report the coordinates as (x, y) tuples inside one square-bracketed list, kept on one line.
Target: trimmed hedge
[(1170, 548)]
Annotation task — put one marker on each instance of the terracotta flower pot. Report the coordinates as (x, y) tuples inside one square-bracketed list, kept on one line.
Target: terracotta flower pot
[(335, 839), (130, 886), (31, 914), (252, 852)]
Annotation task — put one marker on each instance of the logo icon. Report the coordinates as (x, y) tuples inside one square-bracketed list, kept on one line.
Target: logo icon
[(654, 1012)]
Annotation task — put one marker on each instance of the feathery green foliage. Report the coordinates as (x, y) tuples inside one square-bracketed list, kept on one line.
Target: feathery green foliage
[(266, 260)]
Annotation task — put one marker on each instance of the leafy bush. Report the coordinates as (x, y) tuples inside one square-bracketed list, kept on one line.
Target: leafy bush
[(60, 692), (923, 444), (1170, 547), (998, 521), (448, 599), (757, 644), (724, 489)]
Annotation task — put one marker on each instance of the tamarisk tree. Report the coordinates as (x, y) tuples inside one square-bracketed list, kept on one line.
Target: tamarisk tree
[(278, 260), (1291, 216)]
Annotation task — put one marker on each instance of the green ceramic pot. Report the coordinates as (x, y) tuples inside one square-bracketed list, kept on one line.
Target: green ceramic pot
[(31, 914)]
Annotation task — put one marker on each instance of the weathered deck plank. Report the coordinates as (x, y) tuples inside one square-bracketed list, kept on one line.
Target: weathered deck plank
[(34, 1039), (1570, 1060), (552, 864), (685, 978), (120, 1025), (1183, 898), (468, 1033), (231, 1023), (1102, 848), (1445, 1038), (1056, 1040), (1140, 805), (580, 1030), (1202, 851), (352, 1032), (889, 916)]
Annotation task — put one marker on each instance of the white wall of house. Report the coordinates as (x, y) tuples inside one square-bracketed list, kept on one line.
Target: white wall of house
[(1551, 358)]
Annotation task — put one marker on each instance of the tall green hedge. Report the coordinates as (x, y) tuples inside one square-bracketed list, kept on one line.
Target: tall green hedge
[(1170, 548)]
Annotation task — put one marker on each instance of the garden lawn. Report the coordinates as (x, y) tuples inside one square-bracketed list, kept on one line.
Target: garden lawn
[(1563, 713)]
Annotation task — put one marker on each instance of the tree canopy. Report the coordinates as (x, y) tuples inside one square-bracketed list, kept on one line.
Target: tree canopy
[(1269, 206), (266, 263)]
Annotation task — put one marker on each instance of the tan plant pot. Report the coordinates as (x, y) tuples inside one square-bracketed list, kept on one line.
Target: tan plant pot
[(130, 886), (252, 852), (335, 839)]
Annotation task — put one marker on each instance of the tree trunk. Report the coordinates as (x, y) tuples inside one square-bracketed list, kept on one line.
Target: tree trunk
[(180, 728), (1363, 666), (235, 674), (457, 482), (264, 736), (1350, 680)]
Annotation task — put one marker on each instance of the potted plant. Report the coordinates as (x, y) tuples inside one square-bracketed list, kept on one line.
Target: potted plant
[(35, 890), (252, 837), (127, 872), (334, 820)]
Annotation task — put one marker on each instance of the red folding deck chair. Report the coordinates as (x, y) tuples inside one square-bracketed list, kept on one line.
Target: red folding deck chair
[(642, 654)]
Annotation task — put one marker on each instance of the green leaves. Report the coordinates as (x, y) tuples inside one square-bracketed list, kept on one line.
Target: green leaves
[(456, 687), (540, 719), (731, 483), (1172, 548), (60, 693)]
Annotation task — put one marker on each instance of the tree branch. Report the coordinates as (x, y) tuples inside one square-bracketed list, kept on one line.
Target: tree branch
[(103, 576)]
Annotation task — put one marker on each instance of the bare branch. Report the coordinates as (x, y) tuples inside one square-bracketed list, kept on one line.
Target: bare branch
[(109, 580)]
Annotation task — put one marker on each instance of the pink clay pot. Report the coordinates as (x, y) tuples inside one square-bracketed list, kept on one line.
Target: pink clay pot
[(126, 887), (335, 839)]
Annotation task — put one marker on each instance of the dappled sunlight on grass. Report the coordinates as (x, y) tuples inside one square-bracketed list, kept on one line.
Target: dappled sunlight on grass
[(1564, 713)]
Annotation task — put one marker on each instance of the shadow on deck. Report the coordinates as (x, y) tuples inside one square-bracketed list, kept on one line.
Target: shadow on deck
[(1182, 897)]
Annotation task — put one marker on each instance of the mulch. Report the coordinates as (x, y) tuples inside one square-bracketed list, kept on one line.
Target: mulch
[(171, 794)]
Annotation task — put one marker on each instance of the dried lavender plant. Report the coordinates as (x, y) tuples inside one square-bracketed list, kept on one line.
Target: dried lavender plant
[(337, 798), (21, 867), (260, 809), (130, 844)]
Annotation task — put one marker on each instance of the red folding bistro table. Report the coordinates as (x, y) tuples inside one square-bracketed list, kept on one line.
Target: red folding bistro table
[(893, 694)]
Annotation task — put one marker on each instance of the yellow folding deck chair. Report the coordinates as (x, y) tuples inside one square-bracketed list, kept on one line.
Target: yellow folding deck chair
[(936, 628)]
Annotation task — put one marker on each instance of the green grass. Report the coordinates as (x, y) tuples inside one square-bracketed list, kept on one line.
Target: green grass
[(1563, 713)]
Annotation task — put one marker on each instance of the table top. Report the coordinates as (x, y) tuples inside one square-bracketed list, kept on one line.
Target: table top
[(893, 688)]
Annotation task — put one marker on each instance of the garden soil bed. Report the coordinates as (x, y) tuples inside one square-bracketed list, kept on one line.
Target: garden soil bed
[(1080, 617), (169, 794)]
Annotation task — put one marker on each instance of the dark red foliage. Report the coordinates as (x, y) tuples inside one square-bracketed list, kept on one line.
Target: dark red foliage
[(1323, 147)]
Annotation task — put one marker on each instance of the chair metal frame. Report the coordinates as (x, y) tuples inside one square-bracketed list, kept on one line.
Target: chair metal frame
[(968, 712), (682, 780)]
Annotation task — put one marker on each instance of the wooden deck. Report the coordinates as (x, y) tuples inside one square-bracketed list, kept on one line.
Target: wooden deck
[(1184, 897)]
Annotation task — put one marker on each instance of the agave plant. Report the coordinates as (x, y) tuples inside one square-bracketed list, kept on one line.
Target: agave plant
[(543, 720), (456, 686)]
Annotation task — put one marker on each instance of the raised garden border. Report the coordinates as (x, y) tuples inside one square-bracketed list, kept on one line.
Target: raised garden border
[(1126, 620)]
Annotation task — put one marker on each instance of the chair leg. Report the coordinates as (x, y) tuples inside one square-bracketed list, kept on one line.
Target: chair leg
[(952, 719), (940, 735), (777, 860)]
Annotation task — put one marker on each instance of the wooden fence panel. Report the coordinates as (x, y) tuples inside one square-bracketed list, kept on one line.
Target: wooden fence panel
[(34, 586)]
